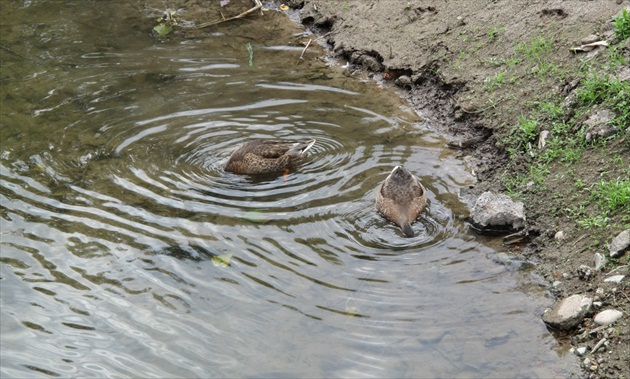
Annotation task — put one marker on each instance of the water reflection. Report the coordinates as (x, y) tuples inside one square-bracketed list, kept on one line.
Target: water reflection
[(114, 203)]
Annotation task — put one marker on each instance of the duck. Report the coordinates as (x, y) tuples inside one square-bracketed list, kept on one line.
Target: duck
[(267, 156), (401, 198)]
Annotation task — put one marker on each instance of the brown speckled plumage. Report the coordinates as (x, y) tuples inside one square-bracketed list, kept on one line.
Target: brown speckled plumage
[(401, 198), (267, 156)]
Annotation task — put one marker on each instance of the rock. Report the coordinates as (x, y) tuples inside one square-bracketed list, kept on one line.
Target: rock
[(589, 39), (607, 317), (559, 236), (498, 210), (568, 313), (597, 125), (542, 139), (368, 61), (619, 244), (600, 261), (584, 272), (615, 278), (403, 81), (580, 351)]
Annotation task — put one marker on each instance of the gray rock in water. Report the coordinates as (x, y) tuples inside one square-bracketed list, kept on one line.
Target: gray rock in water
[(498, 210), (619, 244), (607, 317), (568, 313)]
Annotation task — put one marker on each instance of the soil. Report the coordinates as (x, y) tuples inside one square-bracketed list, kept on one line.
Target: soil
[(447, 59)]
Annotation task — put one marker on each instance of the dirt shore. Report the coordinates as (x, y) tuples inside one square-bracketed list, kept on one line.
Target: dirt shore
[(482, 71)]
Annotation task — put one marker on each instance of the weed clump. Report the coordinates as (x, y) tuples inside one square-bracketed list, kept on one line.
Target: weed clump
[(622, 25)]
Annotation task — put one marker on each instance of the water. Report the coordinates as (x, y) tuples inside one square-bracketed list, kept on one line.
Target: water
[(115, 207)]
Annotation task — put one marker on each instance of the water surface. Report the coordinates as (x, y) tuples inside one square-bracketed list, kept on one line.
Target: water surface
[(115, 205)]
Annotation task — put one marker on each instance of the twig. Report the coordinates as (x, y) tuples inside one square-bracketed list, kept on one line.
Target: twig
[(322, 36), (305, 47), (256, 7), (598, 345), (617, 268)]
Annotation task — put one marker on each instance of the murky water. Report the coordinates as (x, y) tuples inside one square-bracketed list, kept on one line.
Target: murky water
[(114, 204)]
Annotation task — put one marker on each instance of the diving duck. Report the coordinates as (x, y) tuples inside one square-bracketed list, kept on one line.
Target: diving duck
[(267, 156), (401, 198)]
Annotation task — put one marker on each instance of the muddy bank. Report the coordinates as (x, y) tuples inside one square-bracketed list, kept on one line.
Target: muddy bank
[(483, 72)]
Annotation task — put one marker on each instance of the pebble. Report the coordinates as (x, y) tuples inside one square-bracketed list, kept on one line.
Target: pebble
[(600, 261), (619, 244), (615, 278), (607, 317), (559, 236), (556, 284), (584, 272), (580, 351)]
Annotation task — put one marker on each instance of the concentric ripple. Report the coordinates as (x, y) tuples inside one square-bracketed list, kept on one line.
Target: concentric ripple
[(347, 162)]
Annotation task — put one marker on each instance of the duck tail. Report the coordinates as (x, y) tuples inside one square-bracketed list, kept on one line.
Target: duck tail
[(299, 149), (408, 230), (309, 144)]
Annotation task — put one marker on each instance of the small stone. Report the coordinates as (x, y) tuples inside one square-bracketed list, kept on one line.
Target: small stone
[(586, 362), (556, 284), (615, 278), (542, 139), (599, 291), (568, 313), (584, 272), (607, 317), (619, 244), (566, 275), (559, 236), (580, 351), (530, 185), (594, 367), (403, 81), (600, 261), (597, 304)]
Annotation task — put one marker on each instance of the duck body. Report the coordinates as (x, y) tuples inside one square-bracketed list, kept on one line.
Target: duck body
[(401, 199), (267, 156)]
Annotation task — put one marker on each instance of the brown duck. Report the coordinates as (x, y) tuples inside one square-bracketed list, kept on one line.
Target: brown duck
[(401, 198), (267, 156)]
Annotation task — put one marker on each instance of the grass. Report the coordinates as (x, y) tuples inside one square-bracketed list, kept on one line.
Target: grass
[(603, 89), (622, 26), (537, 48), (599, 203), (496, 81), (613, 195), (494, 32)]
